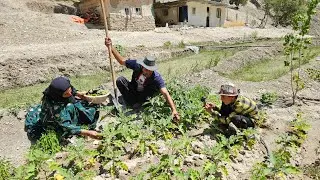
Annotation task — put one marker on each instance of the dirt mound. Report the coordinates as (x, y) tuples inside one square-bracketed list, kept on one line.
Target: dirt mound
[(52, 7), (247, 57)]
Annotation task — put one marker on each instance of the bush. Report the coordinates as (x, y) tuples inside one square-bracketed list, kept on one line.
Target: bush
[(6, 169), (49, 143), (268, 98)]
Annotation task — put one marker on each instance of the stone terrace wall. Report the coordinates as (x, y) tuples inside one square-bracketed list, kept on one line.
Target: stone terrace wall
[(121, 22)]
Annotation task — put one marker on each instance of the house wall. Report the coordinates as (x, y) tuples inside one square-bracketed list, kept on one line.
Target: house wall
[(117, 17), (171, 18), (200, 16)]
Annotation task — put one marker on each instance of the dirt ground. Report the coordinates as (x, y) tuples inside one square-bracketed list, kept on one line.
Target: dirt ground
[(30, 54), (38, 44)]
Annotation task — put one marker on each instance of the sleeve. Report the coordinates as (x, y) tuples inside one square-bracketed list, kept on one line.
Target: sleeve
[(66, 123), (159, 82), (132, 64)]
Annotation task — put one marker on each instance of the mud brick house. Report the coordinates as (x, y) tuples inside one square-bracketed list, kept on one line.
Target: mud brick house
[(199, 13), (124, 15)]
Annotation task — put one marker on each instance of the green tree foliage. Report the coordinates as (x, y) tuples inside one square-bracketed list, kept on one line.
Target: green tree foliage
[(282, 11), (238, 2)]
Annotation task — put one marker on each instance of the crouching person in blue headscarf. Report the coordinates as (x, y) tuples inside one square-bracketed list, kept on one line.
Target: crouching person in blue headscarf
[(61, 112)]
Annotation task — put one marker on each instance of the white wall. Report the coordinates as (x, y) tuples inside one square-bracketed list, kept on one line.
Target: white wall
[(200, 18), (214, 21)]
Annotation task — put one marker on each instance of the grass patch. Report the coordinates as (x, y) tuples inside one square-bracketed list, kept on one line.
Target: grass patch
[(177, 67), (270, 69), (172, 68), (26, 96)]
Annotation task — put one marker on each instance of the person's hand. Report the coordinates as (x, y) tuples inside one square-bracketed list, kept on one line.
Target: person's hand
[(176, 117), (81, 95), (108, 41), (94, 134), (209, 107)]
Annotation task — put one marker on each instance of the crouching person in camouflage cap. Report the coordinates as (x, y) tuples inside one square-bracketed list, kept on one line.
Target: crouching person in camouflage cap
[(236, 111)]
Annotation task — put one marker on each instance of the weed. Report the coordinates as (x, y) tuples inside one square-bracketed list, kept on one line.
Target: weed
[(181, 44), (254, 35), (49, 143), (6, 169), (167, 45), (314, 74), (141, 46), (269, 98), (313, 170), (80, 158), (213, 62), (262, 119), (120, 49), (278, 165)]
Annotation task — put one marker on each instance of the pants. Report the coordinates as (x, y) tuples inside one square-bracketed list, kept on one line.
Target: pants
[(129, 93), (241, 122)]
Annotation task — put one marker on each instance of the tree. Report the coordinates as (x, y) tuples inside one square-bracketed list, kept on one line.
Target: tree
[(238, 2), (296, 45), (282, 12)]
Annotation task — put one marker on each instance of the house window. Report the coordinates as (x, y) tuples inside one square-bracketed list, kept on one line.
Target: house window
[(138, 11), (165, 12), (193, 11), (218, 12), (126, 10)]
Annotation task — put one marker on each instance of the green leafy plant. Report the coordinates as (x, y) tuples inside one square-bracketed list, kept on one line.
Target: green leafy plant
[(296, 45), (120, 49), (49, 143), (314, 74), (167, 45), (181, 44), (79, 157), (6, 169), (278, 165), (269, 98)]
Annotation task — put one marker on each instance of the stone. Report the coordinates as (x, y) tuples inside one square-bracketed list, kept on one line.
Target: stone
[(21, 115), (61, 155), (188, 160), (96, 142), (197, 147), (198, 156)]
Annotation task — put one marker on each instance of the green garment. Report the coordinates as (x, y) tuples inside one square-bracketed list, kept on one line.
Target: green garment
[(63, 118)]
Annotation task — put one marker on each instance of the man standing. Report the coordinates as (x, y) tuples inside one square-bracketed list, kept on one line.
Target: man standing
[(146, 82)]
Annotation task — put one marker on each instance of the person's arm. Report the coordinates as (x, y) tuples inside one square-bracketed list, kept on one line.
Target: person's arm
[(169, 100), (90, 133), (72, 129), (121, 60)]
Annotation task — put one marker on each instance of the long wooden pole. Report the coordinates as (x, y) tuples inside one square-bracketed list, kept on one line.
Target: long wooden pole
[(109, 51)]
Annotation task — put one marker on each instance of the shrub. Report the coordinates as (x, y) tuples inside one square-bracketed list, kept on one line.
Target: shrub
[(269, 98), (167, 45), (6, 169)]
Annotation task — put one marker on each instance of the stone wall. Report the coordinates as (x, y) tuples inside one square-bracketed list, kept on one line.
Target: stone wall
[(121, 22)]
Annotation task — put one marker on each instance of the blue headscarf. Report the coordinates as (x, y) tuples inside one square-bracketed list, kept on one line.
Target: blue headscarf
[(56, 89)]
